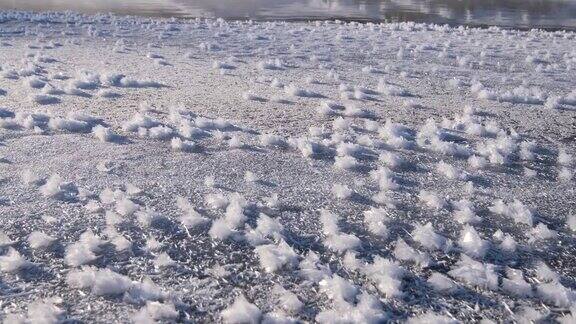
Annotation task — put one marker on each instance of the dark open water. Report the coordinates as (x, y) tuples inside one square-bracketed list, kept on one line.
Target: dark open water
[(554, 14)]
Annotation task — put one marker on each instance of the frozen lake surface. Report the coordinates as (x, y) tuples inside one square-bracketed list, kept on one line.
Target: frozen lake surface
[(512, 13), (213, 171)]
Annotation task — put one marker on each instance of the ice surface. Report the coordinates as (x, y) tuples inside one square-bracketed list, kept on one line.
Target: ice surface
[(377, 172)]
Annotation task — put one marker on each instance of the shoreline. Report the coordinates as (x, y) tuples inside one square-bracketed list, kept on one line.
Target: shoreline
[(312, 19)]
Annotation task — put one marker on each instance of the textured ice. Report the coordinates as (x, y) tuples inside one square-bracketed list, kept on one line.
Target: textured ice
[(379, 172)]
